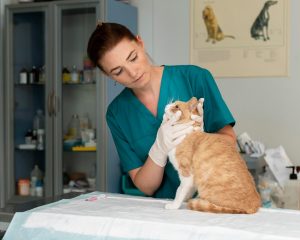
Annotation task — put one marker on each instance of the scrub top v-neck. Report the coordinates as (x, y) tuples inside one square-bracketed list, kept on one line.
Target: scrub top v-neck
[(134, 127)]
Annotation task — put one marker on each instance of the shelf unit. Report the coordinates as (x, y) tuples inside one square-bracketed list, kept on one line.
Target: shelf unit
[(54, 35)]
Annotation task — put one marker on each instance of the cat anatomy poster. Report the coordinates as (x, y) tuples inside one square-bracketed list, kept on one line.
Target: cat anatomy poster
[(240, 38)]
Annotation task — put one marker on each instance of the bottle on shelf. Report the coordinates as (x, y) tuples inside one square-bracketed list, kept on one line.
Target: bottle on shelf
[(34, 137), (39, 120), (84, 121), (28, 137), (36, 179), (87, 70), (74, 75), (42, 75), (66, 76), (40, 139), (39, 189), (33, 75), (23, 76), (74, 127)]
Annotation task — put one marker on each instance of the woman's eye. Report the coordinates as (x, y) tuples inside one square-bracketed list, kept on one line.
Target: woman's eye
[(118, 73), (134, 58)]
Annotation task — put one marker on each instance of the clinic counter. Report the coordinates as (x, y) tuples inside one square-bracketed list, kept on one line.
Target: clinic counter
[(7, 213), (111, 216)]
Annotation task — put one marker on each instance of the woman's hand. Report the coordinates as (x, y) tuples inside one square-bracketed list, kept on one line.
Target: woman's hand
[(169, 135)]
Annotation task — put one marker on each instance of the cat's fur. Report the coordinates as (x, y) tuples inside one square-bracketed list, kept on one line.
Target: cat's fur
[(212, 165), (214, 31)]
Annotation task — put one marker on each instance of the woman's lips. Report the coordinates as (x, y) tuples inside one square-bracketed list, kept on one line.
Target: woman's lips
[(139, 78)]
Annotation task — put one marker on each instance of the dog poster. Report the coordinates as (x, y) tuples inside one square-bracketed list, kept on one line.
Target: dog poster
[(240, 38)]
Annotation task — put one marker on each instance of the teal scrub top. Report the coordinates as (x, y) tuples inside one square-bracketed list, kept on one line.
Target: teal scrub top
[(134, 127)]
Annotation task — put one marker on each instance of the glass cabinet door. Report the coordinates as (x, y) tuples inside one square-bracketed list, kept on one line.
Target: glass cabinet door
[(76, 88), (27, 98)]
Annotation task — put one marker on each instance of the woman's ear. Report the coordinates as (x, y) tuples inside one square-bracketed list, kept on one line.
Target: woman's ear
[(140, 41)]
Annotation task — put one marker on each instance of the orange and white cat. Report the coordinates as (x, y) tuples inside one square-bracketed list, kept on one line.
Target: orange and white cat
[(210, 164)]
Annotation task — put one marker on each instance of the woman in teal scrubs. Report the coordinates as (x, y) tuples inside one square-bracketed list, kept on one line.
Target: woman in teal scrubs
[(135, 115)]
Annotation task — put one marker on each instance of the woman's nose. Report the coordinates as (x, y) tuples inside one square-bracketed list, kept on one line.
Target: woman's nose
[(132, 72)]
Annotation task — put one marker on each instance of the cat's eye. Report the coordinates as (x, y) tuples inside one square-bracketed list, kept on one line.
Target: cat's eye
[(176, 106)]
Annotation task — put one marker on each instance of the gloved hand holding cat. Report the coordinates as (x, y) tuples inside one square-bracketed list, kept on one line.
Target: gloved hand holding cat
[(171, 133)]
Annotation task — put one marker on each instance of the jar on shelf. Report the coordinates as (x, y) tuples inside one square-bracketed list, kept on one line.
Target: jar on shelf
[(24, 187), (74, 127), (23, 76), (66, 76)]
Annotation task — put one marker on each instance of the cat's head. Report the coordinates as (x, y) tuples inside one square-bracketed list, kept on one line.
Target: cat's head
[(188, 109)]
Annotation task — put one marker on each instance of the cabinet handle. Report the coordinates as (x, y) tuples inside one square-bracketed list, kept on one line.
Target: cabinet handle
[(49, 102), (54, 104)]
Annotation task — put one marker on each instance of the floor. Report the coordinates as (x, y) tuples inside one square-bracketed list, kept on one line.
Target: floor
[(1, 234)]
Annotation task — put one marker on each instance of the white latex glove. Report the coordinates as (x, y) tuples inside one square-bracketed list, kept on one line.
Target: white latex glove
[(199, 118), (169, 135)]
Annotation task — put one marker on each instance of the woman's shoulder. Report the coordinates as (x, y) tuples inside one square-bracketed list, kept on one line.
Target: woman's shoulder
[(119, 102), (187, 69)]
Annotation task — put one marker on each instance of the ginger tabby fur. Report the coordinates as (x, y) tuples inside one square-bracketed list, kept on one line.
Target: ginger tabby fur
[(212, 165)]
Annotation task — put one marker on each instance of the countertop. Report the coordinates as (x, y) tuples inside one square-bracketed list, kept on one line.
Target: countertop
[(7, 213)]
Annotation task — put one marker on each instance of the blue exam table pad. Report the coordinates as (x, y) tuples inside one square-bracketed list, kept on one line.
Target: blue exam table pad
[(110, 216)]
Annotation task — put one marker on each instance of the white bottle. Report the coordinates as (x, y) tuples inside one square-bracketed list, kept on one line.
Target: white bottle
[(35, 176), (39, 190), (74, 75), (40, 139), (292, 192), (39, 120)]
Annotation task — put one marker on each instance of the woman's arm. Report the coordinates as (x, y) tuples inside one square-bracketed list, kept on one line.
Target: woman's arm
[(228, 133), (148, 177)]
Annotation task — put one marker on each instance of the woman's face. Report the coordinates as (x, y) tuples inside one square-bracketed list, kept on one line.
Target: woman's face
[(127, 63)]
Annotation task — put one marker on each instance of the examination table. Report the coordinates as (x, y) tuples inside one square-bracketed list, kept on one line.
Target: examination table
[(114, 216)]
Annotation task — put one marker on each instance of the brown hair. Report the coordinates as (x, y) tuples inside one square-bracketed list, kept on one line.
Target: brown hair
[(104, 38)]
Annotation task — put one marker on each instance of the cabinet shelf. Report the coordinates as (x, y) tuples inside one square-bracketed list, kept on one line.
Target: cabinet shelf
[(28, 149), (84, 149), (17, 199), (78, 84), (29, 84)]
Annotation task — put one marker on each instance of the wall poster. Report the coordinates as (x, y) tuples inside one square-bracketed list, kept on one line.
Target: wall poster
[(240, 38)]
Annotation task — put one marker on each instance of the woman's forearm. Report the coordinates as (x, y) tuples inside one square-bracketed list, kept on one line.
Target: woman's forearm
[(148, 177)]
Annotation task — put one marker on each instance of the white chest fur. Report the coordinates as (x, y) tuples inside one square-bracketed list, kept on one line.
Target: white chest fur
[(172, 158)]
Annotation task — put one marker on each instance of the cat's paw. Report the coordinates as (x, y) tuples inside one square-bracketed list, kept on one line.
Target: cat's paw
[(172, 205)]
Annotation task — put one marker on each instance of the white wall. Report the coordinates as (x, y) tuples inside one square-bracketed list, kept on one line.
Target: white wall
[(267, 108)]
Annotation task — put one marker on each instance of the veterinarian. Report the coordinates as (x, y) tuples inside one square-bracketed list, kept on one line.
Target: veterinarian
[(135, 115)]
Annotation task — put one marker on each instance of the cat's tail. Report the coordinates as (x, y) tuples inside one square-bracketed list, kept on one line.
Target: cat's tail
[(203, 205)]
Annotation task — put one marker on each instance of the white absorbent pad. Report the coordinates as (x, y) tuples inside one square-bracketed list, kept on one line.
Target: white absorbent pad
[(115, 216)]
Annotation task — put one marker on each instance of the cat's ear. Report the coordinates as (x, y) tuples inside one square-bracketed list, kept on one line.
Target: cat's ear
[(193, 103), (200, 106), (201, 100)]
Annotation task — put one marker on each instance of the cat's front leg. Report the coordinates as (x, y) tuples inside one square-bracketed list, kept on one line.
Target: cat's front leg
[(185, 191)]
